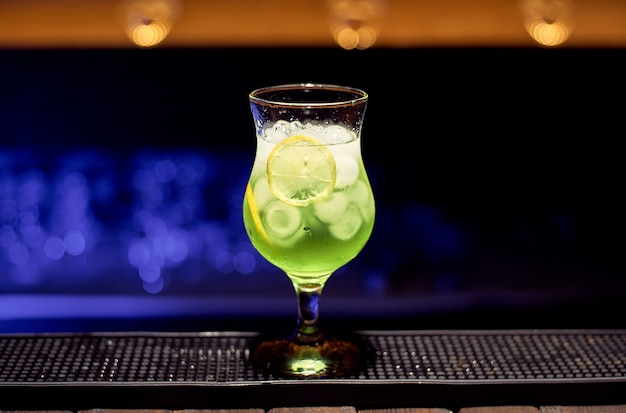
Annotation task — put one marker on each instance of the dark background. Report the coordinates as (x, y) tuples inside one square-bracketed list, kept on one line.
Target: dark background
[(498, 175)]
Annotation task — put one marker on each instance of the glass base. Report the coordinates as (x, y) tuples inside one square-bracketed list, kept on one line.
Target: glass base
[(287, 358)]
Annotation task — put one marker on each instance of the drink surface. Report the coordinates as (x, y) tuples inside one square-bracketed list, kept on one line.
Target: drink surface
[(309, 207)]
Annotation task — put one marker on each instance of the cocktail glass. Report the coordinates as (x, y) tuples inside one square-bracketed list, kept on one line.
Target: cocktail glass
[(309, 210)]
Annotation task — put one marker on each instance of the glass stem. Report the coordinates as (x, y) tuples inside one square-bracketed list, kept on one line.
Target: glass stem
[(308, 331)]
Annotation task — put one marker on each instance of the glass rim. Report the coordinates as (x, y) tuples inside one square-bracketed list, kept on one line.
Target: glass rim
[(356, 95)]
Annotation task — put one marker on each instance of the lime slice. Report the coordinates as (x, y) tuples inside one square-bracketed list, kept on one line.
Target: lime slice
[(301, 171), (254, 212)]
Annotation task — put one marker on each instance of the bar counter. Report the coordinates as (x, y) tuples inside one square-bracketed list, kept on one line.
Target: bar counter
[(464, 371)]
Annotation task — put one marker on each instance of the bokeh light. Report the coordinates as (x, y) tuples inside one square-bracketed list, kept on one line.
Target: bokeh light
[(148, 22), (355, 24), (548, 22)]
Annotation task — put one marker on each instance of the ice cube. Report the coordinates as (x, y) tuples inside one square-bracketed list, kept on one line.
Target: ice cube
[(295, 126), (281, 219), (332, 208), (277, 132), (347, 225), (263, 150), (350, 149), (262, 193), (334, 134), (347, 171), (309, 130), (359, 193)]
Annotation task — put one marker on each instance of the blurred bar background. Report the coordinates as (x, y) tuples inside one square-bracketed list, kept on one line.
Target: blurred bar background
[(492, 139)]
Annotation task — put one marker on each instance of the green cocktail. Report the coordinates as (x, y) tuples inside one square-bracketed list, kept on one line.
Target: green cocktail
[(309, 210)]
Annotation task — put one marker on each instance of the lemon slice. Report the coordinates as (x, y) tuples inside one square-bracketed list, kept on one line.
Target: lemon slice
[(301, 171), (254, 212)]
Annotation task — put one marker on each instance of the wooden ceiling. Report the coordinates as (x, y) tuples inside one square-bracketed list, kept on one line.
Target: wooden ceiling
[(304, 23)]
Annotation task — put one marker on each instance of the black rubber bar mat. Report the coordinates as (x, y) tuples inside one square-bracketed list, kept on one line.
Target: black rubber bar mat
[(448, 369)]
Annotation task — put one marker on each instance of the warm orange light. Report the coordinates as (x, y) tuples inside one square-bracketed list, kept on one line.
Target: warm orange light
[(548, 34), (148, 22), (349, 38), (355, 24), (549, 22), (148, 34)]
